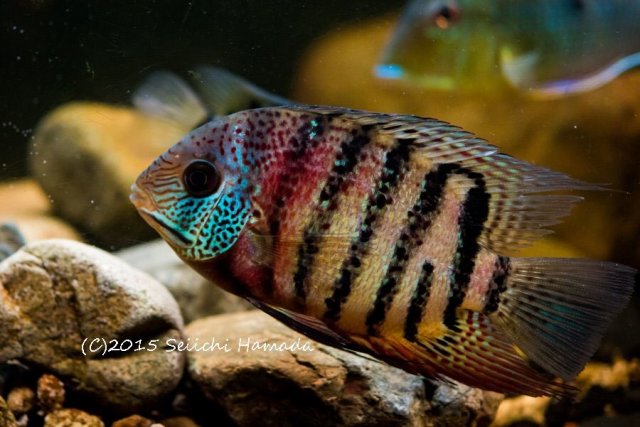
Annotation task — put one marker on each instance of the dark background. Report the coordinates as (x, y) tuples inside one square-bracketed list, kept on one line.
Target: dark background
[(54, 51)]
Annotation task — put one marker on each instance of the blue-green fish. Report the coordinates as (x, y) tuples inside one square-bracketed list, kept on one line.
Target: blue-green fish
[(547, 48)]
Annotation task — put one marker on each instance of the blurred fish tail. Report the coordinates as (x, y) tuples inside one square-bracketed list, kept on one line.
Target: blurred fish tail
[(168, 97), (224, 92)]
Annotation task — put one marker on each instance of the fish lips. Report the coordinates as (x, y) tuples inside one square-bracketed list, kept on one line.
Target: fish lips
[(148, 212)]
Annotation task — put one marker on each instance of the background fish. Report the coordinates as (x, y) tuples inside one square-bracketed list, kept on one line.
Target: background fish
[(545, 47), (388, 235)]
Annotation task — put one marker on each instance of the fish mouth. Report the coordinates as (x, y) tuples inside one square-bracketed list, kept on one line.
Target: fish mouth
[(148, 211), (136, 197)]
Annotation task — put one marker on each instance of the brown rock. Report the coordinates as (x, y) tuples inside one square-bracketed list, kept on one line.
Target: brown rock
[(21, 400), (63, 301), (88, 155), (196, 296), (178, 422), (45, 227), (315, 384), (620, 374), (6, 416), (25, 197), (605, 390), (71, 418), (29, 209), (50, 392), (133, 421), (521, 409)]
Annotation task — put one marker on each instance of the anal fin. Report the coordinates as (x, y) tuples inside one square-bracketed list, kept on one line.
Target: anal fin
[(475, 353)]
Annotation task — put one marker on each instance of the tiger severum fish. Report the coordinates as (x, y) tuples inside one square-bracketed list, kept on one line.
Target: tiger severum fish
[(383, 234)]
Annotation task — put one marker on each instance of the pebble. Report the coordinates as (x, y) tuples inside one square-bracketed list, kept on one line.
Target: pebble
[(133, 421), (71, 418), (178, 422), (21, 400), (6, 416), (50, 393)]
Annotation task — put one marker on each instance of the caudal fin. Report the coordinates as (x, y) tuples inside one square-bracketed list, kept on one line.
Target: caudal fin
[(556, 310)]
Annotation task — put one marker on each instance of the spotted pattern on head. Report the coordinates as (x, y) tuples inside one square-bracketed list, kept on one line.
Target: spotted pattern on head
[(201, 226)]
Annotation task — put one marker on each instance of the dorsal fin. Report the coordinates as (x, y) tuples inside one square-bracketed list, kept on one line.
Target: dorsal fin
[(517, 211)]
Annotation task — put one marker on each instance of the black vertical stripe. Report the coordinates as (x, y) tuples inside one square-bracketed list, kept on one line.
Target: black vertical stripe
[(498, 284), (418, 301), (417, 224), (392, 172), (474, 213), (344, 163)]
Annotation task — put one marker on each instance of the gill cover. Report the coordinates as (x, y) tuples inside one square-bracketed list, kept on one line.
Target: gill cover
[(216, 210), (195, 203)]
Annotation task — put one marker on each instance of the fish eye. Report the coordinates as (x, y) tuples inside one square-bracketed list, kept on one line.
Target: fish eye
[(201, 178), (447, 15)]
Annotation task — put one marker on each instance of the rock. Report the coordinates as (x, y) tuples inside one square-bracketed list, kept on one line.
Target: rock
[(314, 384), (30, 211), (21, 400), (27, 198), (71, 418), (61, 299), (196, 296), (178, 422), (594, 136), (87, 155), (50, 393), (133, 421), (605, 390), (6, 416), (521, 410)]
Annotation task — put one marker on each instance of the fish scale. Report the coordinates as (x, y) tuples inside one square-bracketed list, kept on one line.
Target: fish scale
[(386, 234)]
